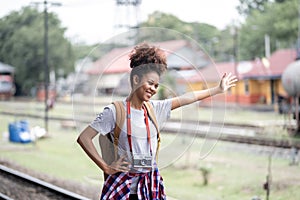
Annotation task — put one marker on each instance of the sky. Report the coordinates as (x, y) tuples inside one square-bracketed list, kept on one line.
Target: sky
[(95, 21)]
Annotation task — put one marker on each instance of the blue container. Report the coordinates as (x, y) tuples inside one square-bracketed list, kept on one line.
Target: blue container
[(14, 132), (19, 132)]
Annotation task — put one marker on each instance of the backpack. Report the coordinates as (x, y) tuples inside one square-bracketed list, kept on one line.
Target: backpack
[(109, 144)]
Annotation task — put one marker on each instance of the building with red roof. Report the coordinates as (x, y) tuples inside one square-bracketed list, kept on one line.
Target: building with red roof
[(259, 80), (111, 70)]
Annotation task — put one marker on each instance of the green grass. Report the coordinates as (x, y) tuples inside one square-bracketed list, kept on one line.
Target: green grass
[(57, 155), (235, 172), (233, 175)]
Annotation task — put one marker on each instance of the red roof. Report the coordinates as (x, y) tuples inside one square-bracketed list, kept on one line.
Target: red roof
[(170, 46), (254, 68), (273, 67), (278, 62), (117, 60), (281, 59)]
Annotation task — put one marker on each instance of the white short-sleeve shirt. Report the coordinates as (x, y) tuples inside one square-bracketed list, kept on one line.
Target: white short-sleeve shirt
[(105, 123)]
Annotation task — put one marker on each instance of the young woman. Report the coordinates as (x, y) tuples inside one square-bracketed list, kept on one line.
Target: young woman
[(135, 174)]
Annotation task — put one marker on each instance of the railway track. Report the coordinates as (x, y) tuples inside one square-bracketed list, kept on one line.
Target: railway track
[(230, 132), (16, 185), (240, 133)]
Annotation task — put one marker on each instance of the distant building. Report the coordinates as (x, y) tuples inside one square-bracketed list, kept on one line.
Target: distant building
[(7, 84), (191, 69), (109, 74), (259, 80)]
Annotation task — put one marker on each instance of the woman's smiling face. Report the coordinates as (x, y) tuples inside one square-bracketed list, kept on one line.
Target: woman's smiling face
[(147, 86)]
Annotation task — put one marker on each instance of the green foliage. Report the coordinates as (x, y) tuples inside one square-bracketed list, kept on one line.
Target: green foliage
[(22, 46), (208, 37), (247, 7), (227, 43), (286, 21), (164, 21), (279, 21)]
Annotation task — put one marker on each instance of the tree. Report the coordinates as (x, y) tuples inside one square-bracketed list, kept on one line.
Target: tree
[(286, 22), (22, 35), (162, 21), (211, 40), (207, 36), (246, 7), (279, 21)]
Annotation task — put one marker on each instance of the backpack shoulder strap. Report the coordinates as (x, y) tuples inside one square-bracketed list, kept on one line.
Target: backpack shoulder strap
[(120, 118), (151, 113), (109, 144), (152, 116)]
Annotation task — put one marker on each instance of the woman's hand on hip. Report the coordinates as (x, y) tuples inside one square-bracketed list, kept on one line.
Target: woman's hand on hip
[(120, 165)]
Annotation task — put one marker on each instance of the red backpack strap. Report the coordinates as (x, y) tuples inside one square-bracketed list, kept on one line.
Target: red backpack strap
[(152, 116)]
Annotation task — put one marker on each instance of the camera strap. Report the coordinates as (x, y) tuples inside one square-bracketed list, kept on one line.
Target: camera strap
[(128, 116)]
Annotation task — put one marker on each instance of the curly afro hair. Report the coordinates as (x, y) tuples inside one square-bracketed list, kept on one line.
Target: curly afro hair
[(145, 58)]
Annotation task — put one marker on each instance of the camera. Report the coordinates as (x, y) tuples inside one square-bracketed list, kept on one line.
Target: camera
[(142, 161)]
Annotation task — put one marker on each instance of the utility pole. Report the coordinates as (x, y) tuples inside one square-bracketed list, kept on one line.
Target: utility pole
[(234, 32), (267, 185), (267, 46), (127, 16), (46, 66)]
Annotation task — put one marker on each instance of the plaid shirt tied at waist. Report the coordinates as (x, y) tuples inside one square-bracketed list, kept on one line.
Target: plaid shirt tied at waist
[(149, 187)]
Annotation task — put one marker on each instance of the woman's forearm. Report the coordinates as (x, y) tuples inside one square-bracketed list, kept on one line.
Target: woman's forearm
[(192, 97)]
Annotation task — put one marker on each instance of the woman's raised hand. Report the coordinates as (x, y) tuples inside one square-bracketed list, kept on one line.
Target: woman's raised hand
[(227, 81)]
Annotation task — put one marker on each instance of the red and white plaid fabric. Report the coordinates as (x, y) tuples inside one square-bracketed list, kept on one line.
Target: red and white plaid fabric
[(149, 187)]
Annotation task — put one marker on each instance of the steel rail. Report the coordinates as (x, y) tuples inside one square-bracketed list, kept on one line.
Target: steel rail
[(48, 186), (4, 197)]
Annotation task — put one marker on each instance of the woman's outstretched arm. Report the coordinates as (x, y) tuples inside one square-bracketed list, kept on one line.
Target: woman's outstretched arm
[(227, 81)]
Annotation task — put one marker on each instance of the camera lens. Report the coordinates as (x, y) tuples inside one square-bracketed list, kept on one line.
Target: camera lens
[(143, 162)]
